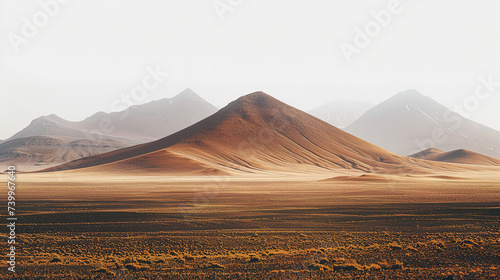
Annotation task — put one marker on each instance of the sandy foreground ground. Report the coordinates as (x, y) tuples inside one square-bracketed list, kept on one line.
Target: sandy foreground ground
[(81, 225)]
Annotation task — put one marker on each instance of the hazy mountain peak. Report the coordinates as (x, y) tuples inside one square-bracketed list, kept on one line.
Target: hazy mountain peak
[(51, 117), (410, 122), (410, 93), (187, 94), (54, 116), (48, 125), (410, 97), (407, 102), (46, 119)]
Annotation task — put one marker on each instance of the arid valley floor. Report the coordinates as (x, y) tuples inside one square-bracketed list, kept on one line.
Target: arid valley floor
[(76, 225)]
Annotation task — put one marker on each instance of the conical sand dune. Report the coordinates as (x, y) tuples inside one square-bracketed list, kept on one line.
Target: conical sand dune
[(255, 133)]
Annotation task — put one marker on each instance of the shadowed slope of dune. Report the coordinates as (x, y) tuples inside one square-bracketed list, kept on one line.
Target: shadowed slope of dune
[(255, 133), (425, 153), (458, 156), (361, 178)]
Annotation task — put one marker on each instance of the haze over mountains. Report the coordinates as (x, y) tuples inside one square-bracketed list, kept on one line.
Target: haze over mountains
[(139, 123), (51, 140), (410, 122), (341, 113), (256, 133)]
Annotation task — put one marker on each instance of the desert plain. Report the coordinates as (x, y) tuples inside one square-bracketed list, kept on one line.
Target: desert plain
[(82, 225)]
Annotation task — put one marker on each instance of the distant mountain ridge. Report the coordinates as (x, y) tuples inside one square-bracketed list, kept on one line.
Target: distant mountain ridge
[(49, 140), (139, 123), (410, 122)]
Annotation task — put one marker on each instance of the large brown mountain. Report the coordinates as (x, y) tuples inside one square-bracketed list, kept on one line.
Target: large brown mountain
[(410, 122), (255, 133)]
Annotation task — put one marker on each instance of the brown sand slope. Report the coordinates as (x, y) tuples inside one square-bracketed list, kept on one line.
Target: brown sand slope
[(256, 133), (457, 156)]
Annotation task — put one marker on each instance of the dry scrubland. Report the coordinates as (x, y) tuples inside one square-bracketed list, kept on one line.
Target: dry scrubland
[(76, 226), (268, 254)]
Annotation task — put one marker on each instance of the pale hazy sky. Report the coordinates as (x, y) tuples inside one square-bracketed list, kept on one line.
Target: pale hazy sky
[(87, 53)]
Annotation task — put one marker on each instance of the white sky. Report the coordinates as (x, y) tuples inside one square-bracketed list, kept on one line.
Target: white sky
[(93, 51)]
